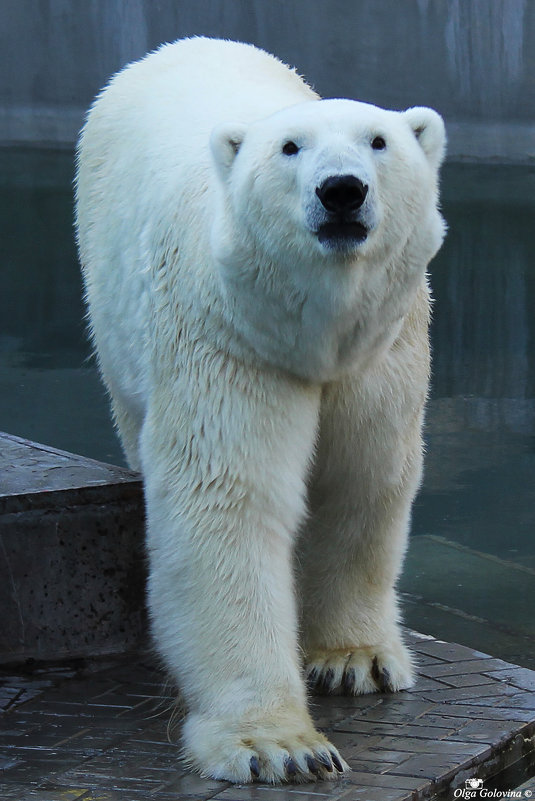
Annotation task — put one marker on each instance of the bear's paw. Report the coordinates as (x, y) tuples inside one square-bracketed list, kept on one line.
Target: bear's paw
[(273, 748), (360, 670)]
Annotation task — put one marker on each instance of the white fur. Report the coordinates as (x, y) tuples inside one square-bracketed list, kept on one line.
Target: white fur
[(265, 382)]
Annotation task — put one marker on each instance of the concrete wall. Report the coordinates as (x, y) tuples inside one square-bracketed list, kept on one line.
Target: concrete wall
[(473, 60)]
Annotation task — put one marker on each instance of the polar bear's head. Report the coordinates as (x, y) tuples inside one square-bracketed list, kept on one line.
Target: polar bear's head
[(325, 219), (333, 178)]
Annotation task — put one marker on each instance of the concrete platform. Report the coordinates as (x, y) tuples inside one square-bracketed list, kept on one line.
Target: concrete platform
[(72, 564), (100, 732)]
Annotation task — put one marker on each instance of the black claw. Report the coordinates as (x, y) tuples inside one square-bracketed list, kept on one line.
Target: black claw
[(312, 677), (290, 766), (328, 680), (381, 677), (376, 676), (312, 765), (324, 684), (255, 767), (349, 681), (386, 685), (336, 762), (325, 761)]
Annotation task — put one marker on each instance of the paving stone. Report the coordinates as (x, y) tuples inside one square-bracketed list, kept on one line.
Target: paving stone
[(58, 793), (450, 652), (82, 777), (353, 742), (9, 761), (311, 791), (347, 702), (34, 767), (518, 677), (468, 680), (402, 711), (8, 792), (493, 731), (326, 719), (386, 780), (442, 721), (425, 659), (431, 766), (376, 794), (464, 750), (146, 747), (369, 765), (462, 668), (518, 701), (381, 755), (424, 732), (474, 694), (8, 695), (423, 683), (489, 712), (191, 786)]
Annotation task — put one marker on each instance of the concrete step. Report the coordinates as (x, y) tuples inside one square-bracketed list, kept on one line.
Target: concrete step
[(72, 565)]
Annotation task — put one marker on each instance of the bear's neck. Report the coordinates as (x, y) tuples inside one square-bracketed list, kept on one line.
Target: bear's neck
[(318, 320)]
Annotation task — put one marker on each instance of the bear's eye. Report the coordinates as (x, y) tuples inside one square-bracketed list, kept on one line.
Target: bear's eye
[(378, 143), (290, 148)]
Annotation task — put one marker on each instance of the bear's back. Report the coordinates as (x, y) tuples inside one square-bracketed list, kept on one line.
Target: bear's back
[(144, 151), (147, 134), (175, 96)]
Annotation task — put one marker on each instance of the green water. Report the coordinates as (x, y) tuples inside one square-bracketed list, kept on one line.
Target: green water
[(470, 572)]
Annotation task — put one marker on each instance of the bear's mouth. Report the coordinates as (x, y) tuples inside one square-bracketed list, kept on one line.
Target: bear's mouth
[(341, 235)]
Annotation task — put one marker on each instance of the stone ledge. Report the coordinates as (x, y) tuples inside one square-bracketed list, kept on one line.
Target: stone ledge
[(35, 475), (72, 564)]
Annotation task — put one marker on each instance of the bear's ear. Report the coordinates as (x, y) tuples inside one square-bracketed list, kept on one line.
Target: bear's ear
[(225, 141), (428, 128)]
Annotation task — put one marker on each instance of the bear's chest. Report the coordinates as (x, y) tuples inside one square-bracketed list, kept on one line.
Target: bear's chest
[(319, 337)]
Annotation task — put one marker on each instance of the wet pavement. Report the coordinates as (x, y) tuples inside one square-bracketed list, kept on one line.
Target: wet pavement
[(99, 731)]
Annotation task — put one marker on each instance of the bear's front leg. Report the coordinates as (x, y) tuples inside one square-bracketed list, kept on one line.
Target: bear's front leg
[(224, 459), (367, 472)]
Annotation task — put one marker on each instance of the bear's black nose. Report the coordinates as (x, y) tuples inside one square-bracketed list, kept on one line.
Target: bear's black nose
[(342, 193)]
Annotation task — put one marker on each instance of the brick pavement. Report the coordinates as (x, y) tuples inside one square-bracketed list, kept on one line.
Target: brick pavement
[(99, 732)]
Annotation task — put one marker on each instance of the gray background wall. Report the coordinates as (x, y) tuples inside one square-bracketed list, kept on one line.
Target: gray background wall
[(473, 60)]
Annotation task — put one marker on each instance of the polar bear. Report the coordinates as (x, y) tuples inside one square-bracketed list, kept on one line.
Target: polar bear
[(255, 262)]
